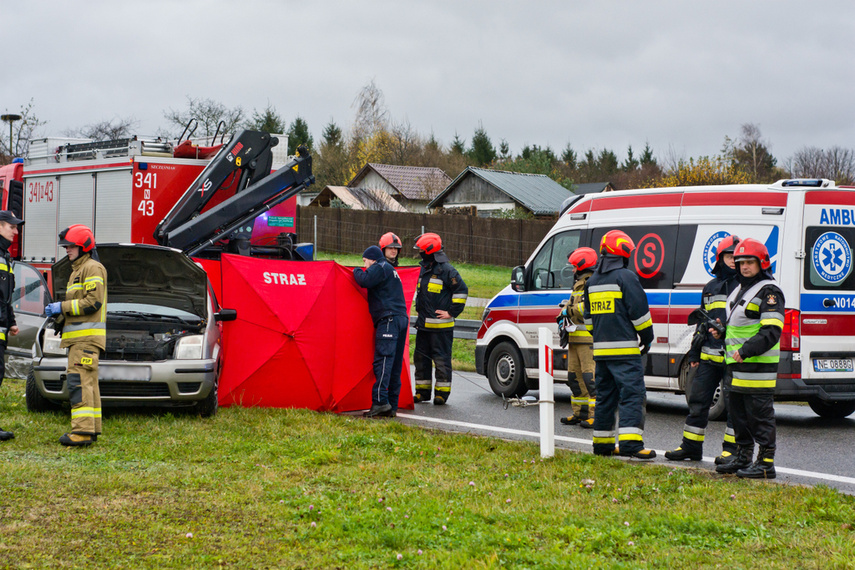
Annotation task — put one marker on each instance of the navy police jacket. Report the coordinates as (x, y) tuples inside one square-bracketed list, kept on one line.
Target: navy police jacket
[(616, 311), (385, 291)]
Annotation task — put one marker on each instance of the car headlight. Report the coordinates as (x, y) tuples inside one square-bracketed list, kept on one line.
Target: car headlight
[(189, 347), (50, 345)]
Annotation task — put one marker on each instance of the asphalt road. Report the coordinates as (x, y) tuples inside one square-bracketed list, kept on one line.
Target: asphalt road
[(811, 450)]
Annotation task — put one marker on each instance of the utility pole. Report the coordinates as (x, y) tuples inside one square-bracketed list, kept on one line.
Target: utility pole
[(11, 118)]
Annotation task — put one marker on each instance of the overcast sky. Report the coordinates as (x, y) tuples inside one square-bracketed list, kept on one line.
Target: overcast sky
[(677, 74)]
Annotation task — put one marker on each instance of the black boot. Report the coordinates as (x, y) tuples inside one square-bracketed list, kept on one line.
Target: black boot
[(741, 460), (681, 454), (763, 468), (6, 435), (378, 410)]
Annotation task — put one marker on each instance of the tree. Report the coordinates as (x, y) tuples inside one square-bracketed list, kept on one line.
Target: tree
[(268, 121), (647, 158), (371, 112), (23, 131), (706, 171), (332, 134), (569, 157), (112, 130), (630, 164), (750, 154), (298, 134), (482, 152), (331, 164), (836, 164), (209, 114), (458, 145), (504, 150)]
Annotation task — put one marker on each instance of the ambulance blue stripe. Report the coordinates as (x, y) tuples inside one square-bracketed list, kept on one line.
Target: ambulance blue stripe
[(813, 302), (654, 299)]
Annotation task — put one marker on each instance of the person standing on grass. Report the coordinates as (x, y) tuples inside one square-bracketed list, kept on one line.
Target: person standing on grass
[(9, 225), (440, 298), (391, 324)]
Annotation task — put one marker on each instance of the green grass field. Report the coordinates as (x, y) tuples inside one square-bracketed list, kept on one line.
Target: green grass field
[(268, 488)]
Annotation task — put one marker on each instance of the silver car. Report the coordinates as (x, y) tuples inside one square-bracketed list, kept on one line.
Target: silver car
[(163, 334)]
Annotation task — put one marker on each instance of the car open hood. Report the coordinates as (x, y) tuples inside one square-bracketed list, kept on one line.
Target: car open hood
[(151, 274)]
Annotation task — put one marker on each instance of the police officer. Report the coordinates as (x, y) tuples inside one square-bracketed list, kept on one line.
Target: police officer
[(707, 356), (391, 325), (440, 297), (391, 246), (8, 230), (617, 314), (83, 317), (575, 336), (755, 320)]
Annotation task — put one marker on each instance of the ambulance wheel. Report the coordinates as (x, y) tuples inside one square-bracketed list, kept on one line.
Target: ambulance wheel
[(718, 411), (35, 401), (506, 372), (832, 410)]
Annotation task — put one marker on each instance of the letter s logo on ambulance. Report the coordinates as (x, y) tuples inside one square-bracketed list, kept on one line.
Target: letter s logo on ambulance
[(711, 250), (832, 257), (649, 255)]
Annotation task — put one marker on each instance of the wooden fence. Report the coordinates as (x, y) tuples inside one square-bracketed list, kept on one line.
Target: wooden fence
[(467, 239)]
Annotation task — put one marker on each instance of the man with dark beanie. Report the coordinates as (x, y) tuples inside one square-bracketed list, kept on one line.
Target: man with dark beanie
[(391, 324)]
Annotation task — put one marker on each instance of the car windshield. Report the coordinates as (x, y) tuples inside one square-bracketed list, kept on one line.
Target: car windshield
[(144, 310)]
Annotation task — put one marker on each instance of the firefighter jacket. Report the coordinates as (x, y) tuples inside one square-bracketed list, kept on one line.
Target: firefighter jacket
[(575, 310), (440, 287), (616, 311), (385, 291), (7, 287), (755, 320), (714, 302), (85, 307)]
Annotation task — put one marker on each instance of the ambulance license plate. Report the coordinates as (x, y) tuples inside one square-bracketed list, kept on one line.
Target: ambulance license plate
[(832, 365)]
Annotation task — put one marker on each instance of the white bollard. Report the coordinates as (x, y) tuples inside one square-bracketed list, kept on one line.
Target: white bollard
[(547, 401)]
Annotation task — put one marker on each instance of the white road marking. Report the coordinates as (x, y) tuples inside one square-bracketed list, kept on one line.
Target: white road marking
[(536, 435)]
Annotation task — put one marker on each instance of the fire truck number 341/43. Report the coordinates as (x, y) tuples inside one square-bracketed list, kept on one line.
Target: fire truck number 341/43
[(40, 191)]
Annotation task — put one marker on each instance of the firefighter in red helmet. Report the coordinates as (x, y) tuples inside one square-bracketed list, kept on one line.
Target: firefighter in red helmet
[(440, 297), (617, 314), (83, 318), (575, 336), (755, 321), (391, 246), (706, 358)]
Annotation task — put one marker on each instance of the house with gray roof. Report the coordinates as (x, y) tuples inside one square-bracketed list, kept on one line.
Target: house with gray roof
[(493, 190), (411, 186)]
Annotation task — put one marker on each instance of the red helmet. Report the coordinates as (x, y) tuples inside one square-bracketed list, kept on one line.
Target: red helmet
[(429, 243), (615, 242), (78, 234), (583, 258), (726, 245), (750, 247), (390, 240)]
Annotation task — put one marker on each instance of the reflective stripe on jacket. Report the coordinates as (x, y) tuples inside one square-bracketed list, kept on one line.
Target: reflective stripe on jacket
[(85, 304), (440, 287), (754, 327)]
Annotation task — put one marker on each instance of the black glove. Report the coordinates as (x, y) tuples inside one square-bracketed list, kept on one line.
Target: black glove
[(645, 348)]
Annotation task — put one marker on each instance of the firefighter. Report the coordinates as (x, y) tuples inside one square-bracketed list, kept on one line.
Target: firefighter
[(617, 314), (706, 355), (8, 230), (755, 320), (82, 316), (575, 336), (391, 325), (440, 298), (391, 246)]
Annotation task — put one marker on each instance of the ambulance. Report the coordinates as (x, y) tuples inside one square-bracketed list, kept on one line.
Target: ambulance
[(808, 226)]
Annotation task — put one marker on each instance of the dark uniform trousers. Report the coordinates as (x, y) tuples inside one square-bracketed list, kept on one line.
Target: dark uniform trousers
[(83, 389), (753, 417), (390, 338), (433, 348), (620, 388), (707, 380)]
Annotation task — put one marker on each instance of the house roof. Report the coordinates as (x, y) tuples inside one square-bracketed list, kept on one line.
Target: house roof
[(590, 187), (358, 198), (413, 182), (536, 192)]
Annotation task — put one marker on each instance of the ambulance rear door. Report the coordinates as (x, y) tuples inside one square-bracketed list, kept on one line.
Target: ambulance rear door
[(827, 302)]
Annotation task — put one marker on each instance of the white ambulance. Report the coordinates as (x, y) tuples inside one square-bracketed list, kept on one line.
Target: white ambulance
[(808, 227)]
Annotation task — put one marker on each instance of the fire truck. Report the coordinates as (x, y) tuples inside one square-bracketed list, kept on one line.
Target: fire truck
[(193, 195)]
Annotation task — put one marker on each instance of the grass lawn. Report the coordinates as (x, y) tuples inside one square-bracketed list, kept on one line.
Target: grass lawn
[(267, 488)]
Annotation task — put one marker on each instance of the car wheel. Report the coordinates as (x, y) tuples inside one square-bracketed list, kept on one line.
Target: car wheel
[(718, 410), (208, 406), (506, 372), (35, 401), (832, 410)]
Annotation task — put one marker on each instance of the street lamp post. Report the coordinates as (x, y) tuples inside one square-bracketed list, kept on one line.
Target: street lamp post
[(11, 118)]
